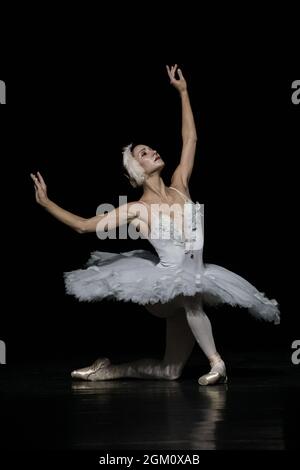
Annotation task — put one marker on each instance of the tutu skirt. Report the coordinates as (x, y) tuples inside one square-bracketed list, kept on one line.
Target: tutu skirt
[(139, 277)]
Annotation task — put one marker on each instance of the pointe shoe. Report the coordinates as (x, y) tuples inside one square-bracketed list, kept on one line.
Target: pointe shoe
[(217, 375), (84, 373)]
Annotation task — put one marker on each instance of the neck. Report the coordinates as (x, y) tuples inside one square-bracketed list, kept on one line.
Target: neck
[(154, 187)]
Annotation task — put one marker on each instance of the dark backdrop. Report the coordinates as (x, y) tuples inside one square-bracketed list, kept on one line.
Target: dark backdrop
[(69, 119)]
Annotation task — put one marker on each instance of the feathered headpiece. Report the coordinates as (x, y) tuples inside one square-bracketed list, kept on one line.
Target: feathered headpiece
[(134, 169)]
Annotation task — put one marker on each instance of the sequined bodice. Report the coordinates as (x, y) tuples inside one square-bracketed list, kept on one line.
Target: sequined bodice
[(187, 233), (178, 238), (179, 243)]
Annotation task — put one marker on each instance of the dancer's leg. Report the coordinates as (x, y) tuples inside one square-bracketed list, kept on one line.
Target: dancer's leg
[(179, 345), (180, 342), (202, 330), (200, 326)]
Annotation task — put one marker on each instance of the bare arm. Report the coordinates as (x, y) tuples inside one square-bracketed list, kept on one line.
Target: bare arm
[(184, 170), (76, 222), (119, 216)]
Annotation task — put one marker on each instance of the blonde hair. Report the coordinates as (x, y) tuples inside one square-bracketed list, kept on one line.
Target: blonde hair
[(134, 169)]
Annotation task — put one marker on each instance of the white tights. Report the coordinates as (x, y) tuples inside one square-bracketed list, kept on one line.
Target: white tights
[(201, 327), (186, 323)]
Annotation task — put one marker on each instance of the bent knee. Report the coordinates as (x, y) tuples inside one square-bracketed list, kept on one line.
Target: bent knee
[(172, 372)]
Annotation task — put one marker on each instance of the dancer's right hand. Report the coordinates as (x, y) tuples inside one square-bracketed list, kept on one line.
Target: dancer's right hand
[(40, 189)]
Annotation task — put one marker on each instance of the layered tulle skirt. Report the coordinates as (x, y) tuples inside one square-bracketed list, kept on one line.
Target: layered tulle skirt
[(138, 276)]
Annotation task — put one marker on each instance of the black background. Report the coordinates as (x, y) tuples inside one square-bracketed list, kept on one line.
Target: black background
[(69, 112), (81, 83)]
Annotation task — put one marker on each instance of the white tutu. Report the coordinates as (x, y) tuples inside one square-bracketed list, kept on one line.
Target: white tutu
[(143, 277)]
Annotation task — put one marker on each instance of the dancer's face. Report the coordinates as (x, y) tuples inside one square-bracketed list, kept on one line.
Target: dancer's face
[(148, 158)]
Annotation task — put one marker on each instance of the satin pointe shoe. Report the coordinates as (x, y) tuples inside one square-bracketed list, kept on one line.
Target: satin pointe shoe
[(84, 373), (217, 375)]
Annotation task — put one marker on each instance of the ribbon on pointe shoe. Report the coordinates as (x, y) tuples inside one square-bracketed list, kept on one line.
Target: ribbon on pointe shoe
[(84, 373)]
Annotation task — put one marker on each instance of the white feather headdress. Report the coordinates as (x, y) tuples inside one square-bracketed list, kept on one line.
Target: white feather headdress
[(134, 169)]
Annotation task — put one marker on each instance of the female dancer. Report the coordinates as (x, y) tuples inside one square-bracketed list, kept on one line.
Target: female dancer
[(173, 284)]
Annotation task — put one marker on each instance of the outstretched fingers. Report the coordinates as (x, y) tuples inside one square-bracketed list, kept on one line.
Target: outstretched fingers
[(33, 177), (37, 184), (171, 71), (180, 74), (38, 181), (41, 180), (40, 189)]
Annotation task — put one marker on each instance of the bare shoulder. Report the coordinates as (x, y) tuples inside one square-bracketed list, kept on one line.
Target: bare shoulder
[(182, 188)]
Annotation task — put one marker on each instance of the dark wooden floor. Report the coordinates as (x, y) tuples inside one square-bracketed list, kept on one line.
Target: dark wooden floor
[(41, 408)]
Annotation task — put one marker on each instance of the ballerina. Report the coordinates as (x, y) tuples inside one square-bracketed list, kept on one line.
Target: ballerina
[(174, 283)]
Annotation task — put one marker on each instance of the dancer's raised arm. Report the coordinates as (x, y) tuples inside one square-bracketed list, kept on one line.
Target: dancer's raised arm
[(117, 217), (184, 170)]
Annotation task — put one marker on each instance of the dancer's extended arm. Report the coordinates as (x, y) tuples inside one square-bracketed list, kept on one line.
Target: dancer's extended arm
[(184, 170), (117, 217)]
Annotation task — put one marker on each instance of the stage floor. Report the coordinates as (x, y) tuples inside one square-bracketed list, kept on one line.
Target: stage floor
[(41, 408)]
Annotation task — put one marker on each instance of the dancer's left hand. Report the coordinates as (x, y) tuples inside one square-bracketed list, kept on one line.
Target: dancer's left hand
[(180, 84)]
